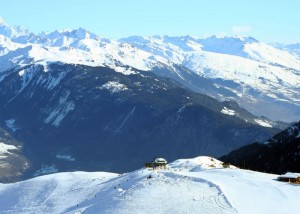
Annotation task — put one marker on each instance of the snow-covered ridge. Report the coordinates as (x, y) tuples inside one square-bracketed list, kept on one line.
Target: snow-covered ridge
[(177, 189), (198, 163), (83, 47), (20, 48)]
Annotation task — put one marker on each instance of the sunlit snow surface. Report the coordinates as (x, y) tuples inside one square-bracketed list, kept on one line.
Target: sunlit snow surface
[(263, 123), (199, 185)]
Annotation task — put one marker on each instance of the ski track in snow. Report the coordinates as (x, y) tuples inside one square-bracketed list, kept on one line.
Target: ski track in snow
[(163, 193), (125, 119)]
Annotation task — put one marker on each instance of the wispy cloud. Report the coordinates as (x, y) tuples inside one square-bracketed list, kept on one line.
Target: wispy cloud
[(241, 29)]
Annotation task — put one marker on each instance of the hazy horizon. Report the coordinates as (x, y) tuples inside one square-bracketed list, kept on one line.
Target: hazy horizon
[(266, 21)]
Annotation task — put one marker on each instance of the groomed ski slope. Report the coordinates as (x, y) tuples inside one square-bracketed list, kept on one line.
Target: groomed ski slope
[(199, 185)]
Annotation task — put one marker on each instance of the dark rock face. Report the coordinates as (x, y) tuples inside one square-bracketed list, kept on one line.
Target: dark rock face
[(75, 117), (280, 154)]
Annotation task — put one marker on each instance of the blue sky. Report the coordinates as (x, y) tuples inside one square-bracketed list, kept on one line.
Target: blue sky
[(266, 20)]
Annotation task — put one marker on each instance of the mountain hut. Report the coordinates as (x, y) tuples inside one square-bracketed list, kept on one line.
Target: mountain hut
[(290, 177)]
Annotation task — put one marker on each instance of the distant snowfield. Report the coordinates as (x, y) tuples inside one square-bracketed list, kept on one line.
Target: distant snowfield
[(199, 185), (114, 87), (263, 123)]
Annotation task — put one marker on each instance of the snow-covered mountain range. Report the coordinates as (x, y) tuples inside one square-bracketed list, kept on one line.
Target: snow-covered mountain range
[(200, 184), (71, 100), (263, 79)]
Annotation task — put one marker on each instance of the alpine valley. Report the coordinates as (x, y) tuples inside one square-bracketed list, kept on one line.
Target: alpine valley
[(71, 100)]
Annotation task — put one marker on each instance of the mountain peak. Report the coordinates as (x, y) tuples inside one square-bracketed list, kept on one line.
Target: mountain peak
[(11, 32), (82, 33), (79, 34), (246, 39)]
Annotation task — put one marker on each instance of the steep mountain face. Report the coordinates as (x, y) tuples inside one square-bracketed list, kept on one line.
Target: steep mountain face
[(12, 163), (280, 154), (77, 117), (262, 79)]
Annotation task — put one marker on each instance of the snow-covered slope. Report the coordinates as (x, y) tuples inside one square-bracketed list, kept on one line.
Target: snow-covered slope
[(261, 78), (185, 186)]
